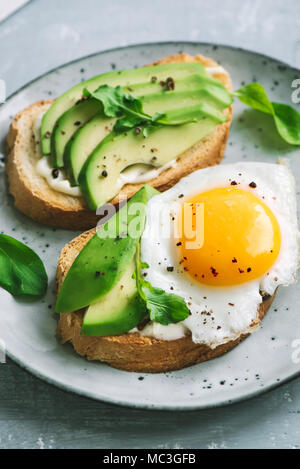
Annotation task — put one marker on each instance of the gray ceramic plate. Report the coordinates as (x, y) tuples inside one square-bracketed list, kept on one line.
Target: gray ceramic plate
[(28, 329)]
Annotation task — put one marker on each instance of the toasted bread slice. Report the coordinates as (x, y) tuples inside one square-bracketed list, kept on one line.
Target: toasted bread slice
[(34, 197), (131, 351)]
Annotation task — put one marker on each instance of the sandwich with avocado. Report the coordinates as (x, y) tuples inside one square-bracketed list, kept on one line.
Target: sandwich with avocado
[(180, 277), (104, 138)]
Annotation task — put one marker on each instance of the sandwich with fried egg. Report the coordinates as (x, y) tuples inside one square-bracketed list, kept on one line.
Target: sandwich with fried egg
[(187, 280)]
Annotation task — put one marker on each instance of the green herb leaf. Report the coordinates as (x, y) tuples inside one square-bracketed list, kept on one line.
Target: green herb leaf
[(286, 118), (129, 110), (116, 103), (21, 270), (165, 308)]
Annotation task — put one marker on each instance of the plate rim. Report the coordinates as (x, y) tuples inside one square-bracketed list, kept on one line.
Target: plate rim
[(119, 402)]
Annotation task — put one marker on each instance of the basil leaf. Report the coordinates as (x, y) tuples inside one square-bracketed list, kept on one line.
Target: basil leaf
[(21, 270), (286, 118), (165, 308)]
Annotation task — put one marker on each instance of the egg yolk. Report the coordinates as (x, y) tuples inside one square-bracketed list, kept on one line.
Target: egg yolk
[(240, 237)]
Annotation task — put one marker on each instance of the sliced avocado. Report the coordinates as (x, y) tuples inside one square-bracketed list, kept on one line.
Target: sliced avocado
[(105, 258), (152, 92), (117, 312), (188, 91), (84, 142), (67, 125), (100, 174), (122, 78)]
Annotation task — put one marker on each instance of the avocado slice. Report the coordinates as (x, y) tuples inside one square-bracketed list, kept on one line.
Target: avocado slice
[(117, 312), (189, 91), (122, 78), (105, 258), (80, 114), (99, 176), (68, 124)]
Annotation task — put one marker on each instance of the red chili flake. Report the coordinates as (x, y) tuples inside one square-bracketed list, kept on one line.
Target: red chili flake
[(241, 271), (231, 304), (252, 184), (214, 272), (162, 83), (63, 132), (47, 134)]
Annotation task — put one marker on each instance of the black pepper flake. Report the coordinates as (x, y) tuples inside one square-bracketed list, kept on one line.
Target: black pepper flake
[(97, 273), (231, 304), (63, 132), (249, 269), (233, 183), (234, 261), (252, 184), (162, 83), (170, 269), (55, 173), (179, 244), (137, 130), (77, 123), (170, 84), (104, 174), (153, 79), (214, 272), (180, 196), (241, 271)]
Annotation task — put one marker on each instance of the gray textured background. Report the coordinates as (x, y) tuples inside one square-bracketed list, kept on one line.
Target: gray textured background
[(45, 34)]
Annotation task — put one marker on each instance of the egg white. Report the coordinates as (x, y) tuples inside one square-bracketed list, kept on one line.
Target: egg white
[(219, 314)]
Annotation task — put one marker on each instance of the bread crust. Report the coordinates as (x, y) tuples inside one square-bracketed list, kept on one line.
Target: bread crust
[(36, 199), (133, 352)]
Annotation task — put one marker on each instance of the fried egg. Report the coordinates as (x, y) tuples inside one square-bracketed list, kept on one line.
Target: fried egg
[(222, 238)]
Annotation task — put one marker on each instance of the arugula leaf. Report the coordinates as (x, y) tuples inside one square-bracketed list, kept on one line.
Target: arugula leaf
[(286, 118), (116, 103), (165, 308), (129, 110), (21, 270)]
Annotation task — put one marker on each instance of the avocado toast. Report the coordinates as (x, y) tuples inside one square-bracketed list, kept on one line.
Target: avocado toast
[(104, 315), (71, 140)]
